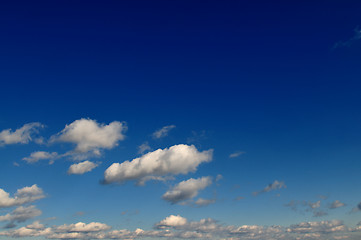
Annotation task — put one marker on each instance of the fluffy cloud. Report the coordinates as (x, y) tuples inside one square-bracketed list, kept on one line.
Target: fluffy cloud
[(178, 227), (163, 132), (21, 135), (178, 159), (81, 168), (21, 214), (90, 136), (82, 227), (273, 186), (22, 196), (336, 204), (186, 189), (40, 155), (171, 221)]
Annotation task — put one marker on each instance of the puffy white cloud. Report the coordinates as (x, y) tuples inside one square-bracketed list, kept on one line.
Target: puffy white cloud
[(336, 204), (91, 136), (186, 189), (163, 132), (178, 227), (21, 214), (21, 135), (272, 186), (82, 227), (172, 221), (143, 148), (236, 154), (22, 196), (81, 168), (178, 159), (40, 155)]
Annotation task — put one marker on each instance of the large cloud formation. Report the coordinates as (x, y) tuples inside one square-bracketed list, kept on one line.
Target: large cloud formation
[(90, 136), (178, 159), (186, 189), (21, 135), (22, 196), (178, 227)]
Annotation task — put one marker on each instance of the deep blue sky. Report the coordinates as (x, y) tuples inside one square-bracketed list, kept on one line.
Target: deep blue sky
[(280, 81)]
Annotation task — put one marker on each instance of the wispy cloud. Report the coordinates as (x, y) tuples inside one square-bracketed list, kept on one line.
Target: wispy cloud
[(21, 135), (236, 154), (163, 132), (356, 37), (272, 186)]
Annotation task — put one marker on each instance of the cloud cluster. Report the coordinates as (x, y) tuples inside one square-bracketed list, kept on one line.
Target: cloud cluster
[(81, 168), (187, 190), (22, 196), (21, 135), (21, 214), (89, 136), (314, 207), (272, 186), (178, 159), (163, 132), (178, 227)]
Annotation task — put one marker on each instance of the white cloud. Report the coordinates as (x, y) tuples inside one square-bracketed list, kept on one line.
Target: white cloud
[(236, 154), (314, 205), (82, 227), (40, 155), (336, 204), (22, 196), (273, 186), (21, 135), (143, 148), (90, 136), (172, 221), (186, 189), (178, 159), (21, 214), (163, 132), (81, 168), (178, 227)]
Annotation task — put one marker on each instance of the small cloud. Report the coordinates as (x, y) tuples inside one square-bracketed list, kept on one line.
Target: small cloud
[(236, 154), (319, 213), (144, 148), (273, 186), (314, 205), (219, 177), (186, 190), (163, 132), (357, 208), (21, 135), (197, 137), (201, 202), (336, 204), (238, 198), (348, 43), (41, 155), (81, 168), (16, 164)]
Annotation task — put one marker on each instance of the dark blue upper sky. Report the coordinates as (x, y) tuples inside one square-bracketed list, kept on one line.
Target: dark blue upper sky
[(279, 80)]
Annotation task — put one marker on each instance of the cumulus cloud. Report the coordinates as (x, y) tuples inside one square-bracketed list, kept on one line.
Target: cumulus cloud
[(21, 135), (21, 214), (236, 154), (40, 155), (171, 221), (186, 189), (89, 136), (143, 148), (81, 168), (178, 227), (163, 132), (336, 204), (273, 186), (22, 196), (178, 159)]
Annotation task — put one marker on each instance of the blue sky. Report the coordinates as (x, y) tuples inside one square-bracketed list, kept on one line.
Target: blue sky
[(185, 119)]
